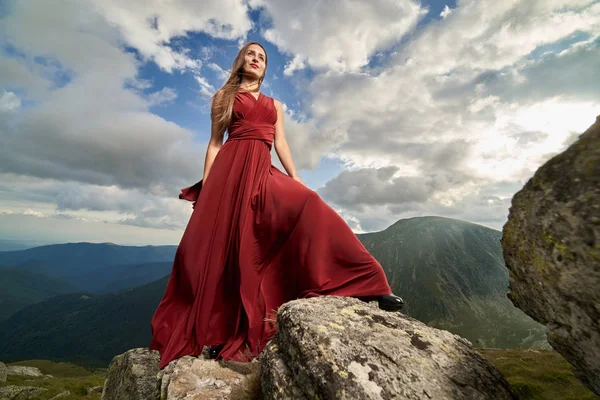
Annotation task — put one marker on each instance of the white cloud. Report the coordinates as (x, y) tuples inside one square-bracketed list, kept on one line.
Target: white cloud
[(9, 102), (338, 35), (108, 204), (456, 106), (457, 117), (150, 26), (34, 213), (89, 135), (222, 73), (164, 96), (446, 11), (296, 64), (495, 34), (206, 89)]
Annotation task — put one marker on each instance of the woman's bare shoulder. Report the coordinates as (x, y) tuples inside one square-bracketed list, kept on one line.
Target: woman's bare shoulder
[(277, 103)]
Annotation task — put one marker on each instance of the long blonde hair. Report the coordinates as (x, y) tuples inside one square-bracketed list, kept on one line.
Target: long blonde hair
[(222, 102)]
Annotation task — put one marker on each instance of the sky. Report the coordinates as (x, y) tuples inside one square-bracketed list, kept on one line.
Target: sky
[(393, 109)]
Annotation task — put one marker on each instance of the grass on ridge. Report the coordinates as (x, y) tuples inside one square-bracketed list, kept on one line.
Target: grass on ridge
[(538, 374), (67, 376)]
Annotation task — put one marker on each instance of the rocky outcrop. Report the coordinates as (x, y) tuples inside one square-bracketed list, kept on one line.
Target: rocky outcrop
[(550, 245), (12, 392), (201, 378), (132, 375), (135, 375), (329, 348), (22, 370), (342, 348)]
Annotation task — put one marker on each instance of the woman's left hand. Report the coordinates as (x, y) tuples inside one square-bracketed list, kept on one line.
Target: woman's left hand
[(297, 179)]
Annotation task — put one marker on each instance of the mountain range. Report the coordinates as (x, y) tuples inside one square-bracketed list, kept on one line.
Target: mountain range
[(92, 266), (450, 273)]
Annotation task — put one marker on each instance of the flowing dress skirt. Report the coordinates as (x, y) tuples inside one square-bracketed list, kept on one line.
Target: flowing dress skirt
[(255, 240)]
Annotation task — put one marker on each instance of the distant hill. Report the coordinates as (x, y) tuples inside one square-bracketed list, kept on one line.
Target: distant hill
[(77, 262), (113, 278), (79, 327), (11, 245), (21, 287), (452, 276)]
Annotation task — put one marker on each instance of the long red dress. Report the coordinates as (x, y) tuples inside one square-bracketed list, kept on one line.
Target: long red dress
[(255, 240)]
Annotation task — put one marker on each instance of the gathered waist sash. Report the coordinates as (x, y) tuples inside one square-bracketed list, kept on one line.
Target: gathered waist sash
[(248, 130)]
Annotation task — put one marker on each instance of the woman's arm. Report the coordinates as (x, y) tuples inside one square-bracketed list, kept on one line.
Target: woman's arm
[(214, 145), (281, 146)]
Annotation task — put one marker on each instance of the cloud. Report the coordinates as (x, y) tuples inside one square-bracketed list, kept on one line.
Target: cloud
[(446, 11), (133, 149), (296, 64), (337, 35), (447, 117), (49, 198), (374, 186), (92, 128), (34, 213), (164, 96), (87, 130), (206, 89), (221, 73), (150, 26), (18, 73), (491, 34), (462, 106)]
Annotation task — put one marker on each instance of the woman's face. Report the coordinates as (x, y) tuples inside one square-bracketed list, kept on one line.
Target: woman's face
[(255, 61)]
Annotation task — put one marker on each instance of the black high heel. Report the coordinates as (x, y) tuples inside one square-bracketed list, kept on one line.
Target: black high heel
[(213, 351), (390, 302)]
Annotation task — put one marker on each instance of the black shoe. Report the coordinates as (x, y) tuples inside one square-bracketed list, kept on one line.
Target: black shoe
[(213, 351), (390, 302)]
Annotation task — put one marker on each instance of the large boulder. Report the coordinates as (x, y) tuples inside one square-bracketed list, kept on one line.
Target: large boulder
[(342, 348), (550, 246), (133, 375)]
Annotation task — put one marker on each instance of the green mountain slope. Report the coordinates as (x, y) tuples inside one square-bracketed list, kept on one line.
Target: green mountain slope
[(21, 287), (452, 276), (89, 329), (113, 278)]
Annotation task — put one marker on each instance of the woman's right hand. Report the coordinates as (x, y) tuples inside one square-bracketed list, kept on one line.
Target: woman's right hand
[(298, 179)]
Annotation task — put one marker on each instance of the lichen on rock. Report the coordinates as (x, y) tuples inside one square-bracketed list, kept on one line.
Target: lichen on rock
[(550, 246), (376, 355)]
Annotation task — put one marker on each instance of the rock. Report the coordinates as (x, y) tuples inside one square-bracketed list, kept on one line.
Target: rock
[(3, 372), (550, 246), (327, 347), (198, 378), (22, 370), (94, 389), (133, 376), (12, 392), (61, 395), (342, 348)]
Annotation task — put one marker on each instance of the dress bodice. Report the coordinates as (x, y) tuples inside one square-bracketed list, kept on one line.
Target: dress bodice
[(253, 118)]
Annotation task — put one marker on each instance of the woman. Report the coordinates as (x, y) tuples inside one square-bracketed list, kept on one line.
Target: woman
[(257, 237)]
